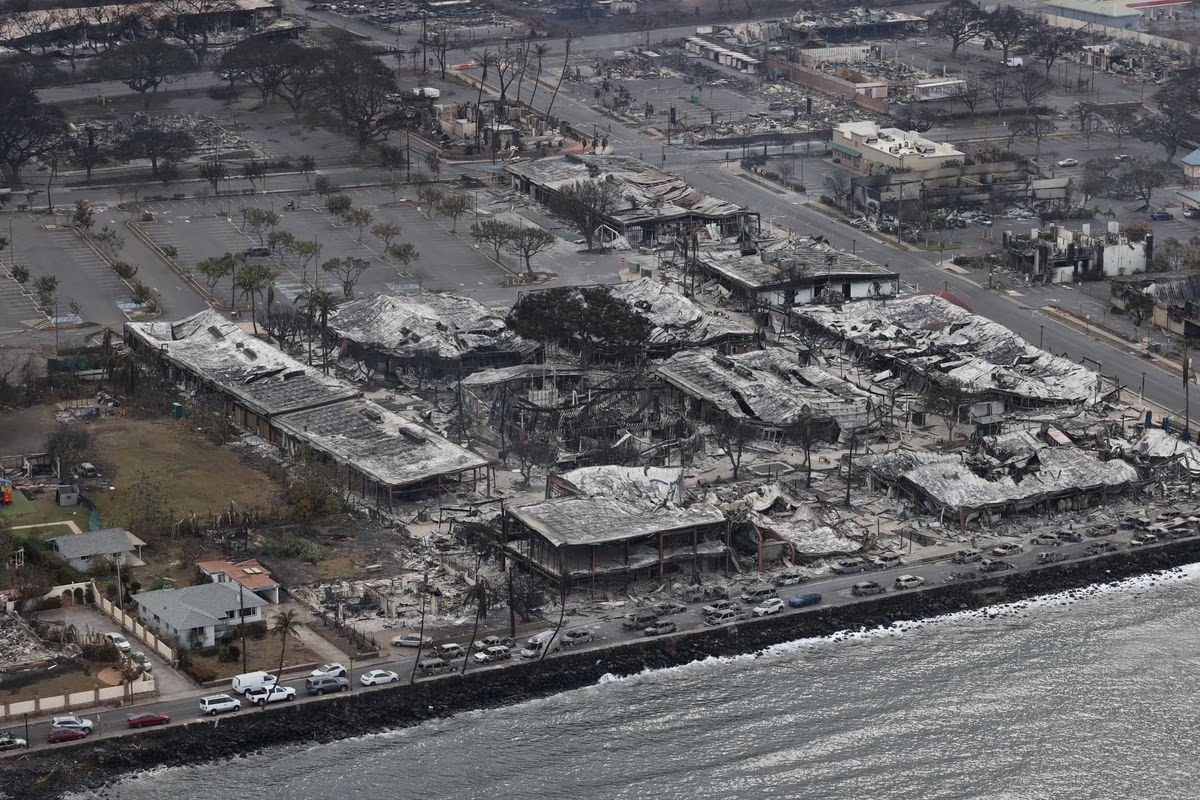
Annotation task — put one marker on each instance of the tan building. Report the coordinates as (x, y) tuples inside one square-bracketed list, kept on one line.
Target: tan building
[(874, 149)]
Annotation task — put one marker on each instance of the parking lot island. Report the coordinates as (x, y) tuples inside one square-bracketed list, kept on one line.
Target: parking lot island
[(92, 763)]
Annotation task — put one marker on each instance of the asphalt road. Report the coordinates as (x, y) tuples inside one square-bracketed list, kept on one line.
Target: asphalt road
[(835, 591)]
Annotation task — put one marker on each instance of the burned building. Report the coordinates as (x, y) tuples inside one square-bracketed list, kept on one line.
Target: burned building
[(652, 205), (774, 275), (1058, 255), (620, 537), (596, 416), (427, 334), (767, 390), (926, 341), (1169, 302), (1020, 473), (679, 322), (382, 456)]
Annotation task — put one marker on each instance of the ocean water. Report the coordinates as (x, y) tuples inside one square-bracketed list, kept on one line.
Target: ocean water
[(1086, 695)]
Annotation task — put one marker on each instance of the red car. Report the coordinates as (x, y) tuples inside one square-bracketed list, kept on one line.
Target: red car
[(66, 734), (147, 718)]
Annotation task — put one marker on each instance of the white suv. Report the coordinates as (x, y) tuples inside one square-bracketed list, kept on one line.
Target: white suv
[(73, 722), (217, 703)]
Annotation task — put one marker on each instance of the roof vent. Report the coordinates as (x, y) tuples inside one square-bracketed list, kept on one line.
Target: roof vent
[(413, 436)]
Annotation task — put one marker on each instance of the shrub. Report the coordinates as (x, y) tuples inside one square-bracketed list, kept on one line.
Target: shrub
[(207, 652), (202, 672), (223, 92), (49, 603)]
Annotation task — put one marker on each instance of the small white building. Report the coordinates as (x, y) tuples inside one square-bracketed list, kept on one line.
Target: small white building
[(112, 545), (195, 616), (871, 147)]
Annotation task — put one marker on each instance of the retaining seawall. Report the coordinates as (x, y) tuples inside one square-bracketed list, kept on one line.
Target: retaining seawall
[(89, 764)]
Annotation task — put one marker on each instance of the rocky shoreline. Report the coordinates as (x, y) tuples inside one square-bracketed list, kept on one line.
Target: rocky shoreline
[(93, 764)]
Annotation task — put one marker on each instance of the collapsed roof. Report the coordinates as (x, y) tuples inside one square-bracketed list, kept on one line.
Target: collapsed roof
[(939, 339), (789, 260), (647, 487), (575, 521), (947, 482), (771, 508), (382, 445), (259, 376), (427, 325), (678, 320), (646, 192), (765, 386)]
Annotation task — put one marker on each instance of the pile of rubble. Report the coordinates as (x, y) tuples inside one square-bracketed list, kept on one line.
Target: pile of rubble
[(20, 646)]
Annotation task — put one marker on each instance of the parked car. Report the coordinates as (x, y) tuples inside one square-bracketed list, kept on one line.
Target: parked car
[(667, 608), (1070, 536), (493, 654), (450, 651), (412, 640), (789, 579), (72, 721), (966, 556), (1046, 539), (638, 620), (994, 565), (118, 641), (802, 600), (772, 605), (1008, 549), (65, 735), (660, 628), (252, 680), (576, 637), (720, 606), (434, 666), (218, 704), (858, 222), (1067, 162), (325, 683), (721, 617), (1143, 538), (378, 676), (1101, 547), (756, 594), (887, 561), (257, 252), (849, 566), (1123, 157), (334, 670), (147, 718), (142, 661), (1161, 216), (10, 742), (533, 648), (1192, 212), (908, 582), (494, 641), (270, 694), (1050, 556), (865, 588)]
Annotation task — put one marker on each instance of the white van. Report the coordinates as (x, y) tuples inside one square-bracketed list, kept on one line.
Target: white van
[(1015, 61), (253, 680)]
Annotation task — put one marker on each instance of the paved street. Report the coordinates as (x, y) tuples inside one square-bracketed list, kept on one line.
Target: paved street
[(180, 702)]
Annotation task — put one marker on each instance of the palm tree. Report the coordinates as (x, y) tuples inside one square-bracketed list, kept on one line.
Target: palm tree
[(230, 262), (251, 281), (286, 624), (317, 303), (420, 631), (540, 51), (478, 594), (561, 75)]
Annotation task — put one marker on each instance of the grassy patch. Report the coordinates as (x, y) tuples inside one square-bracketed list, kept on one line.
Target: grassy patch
[(199, 478), (260, 654)]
